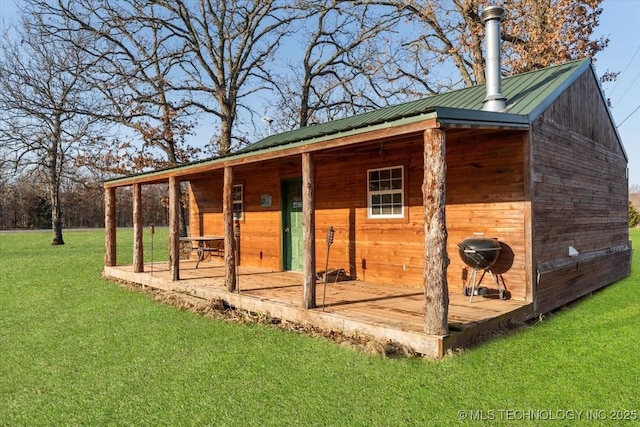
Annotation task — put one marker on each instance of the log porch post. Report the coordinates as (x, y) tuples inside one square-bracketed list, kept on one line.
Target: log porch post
[(174, 228), (110, 227), (138, 251), (436, 260), (229, 239), (308, 233)]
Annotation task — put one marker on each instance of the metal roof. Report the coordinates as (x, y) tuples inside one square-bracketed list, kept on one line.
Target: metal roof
[(527, 94)]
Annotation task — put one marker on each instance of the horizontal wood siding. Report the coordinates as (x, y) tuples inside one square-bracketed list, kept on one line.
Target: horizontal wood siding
[(563, 285), (484, 194), (579, 195), (385, 251), (260, 243)]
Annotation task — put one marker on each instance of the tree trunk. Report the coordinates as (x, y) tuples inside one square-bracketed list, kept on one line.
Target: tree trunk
[(170, 150), (54, 192), (436, 261), (183, 219), (226, 126), (56, 215)]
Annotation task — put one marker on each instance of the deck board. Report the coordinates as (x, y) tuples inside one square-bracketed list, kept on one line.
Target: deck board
[(385, 312)]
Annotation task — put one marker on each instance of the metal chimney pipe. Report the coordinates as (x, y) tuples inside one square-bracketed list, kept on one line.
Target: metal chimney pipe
[(494, 100)]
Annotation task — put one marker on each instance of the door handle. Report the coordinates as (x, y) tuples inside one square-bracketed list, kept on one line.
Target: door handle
[(286, 230)]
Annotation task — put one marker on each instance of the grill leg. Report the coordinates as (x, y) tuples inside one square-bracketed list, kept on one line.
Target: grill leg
[(502, 290), (474, 276)]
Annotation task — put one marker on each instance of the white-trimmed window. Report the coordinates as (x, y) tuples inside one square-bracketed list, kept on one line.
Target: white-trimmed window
[(238, 206), (386, 192)]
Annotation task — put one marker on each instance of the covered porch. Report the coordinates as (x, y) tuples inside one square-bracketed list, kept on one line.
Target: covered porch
[(351, 307), (406, 287)]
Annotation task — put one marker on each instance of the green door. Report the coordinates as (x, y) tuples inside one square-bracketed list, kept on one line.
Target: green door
[(292, 224)]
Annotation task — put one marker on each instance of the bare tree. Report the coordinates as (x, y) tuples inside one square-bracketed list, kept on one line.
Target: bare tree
[(161, 61), (43, 101), (229, 45), (339, 44), (134, 60), (135, 57)]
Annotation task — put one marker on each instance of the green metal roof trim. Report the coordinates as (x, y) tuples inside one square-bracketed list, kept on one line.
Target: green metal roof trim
[(527, 94)]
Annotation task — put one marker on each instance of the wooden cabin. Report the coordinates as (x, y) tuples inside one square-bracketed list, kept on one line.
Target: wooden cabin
[(547, 178)]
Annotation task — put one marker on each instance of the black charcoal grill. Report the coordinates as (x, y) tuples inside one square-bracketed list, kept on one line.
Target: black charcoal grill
[(480, 253)]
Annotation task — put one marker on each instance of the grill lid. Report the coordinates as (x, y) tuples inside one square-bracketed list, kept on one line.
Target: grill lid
[(479, 252)]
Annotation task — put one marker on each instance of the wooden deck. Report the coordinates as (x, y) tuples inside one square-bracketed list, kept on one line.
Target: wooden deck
[(352, 307)]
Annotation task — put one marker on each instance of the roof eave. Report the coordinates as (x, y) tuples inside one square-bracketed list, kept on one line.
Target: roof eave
[(244, 154), (445, 117), (458, 117)]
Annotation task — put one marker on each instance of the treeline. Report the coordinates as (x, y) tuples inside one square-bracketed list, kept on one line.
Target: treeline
[(24, 204)]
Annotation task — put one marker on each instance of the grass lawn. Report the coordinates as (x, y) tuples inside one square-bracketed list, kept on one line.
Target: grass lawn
[(78, 350)]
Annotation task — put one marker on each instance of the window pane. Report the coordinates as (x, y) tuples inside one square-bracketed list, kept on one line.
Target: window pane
[(386, 192), (237, 211), (236, 194)]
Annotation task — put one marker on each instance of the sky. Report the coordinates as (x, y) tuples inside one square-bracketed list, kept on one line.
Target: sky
[(620, 22)]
